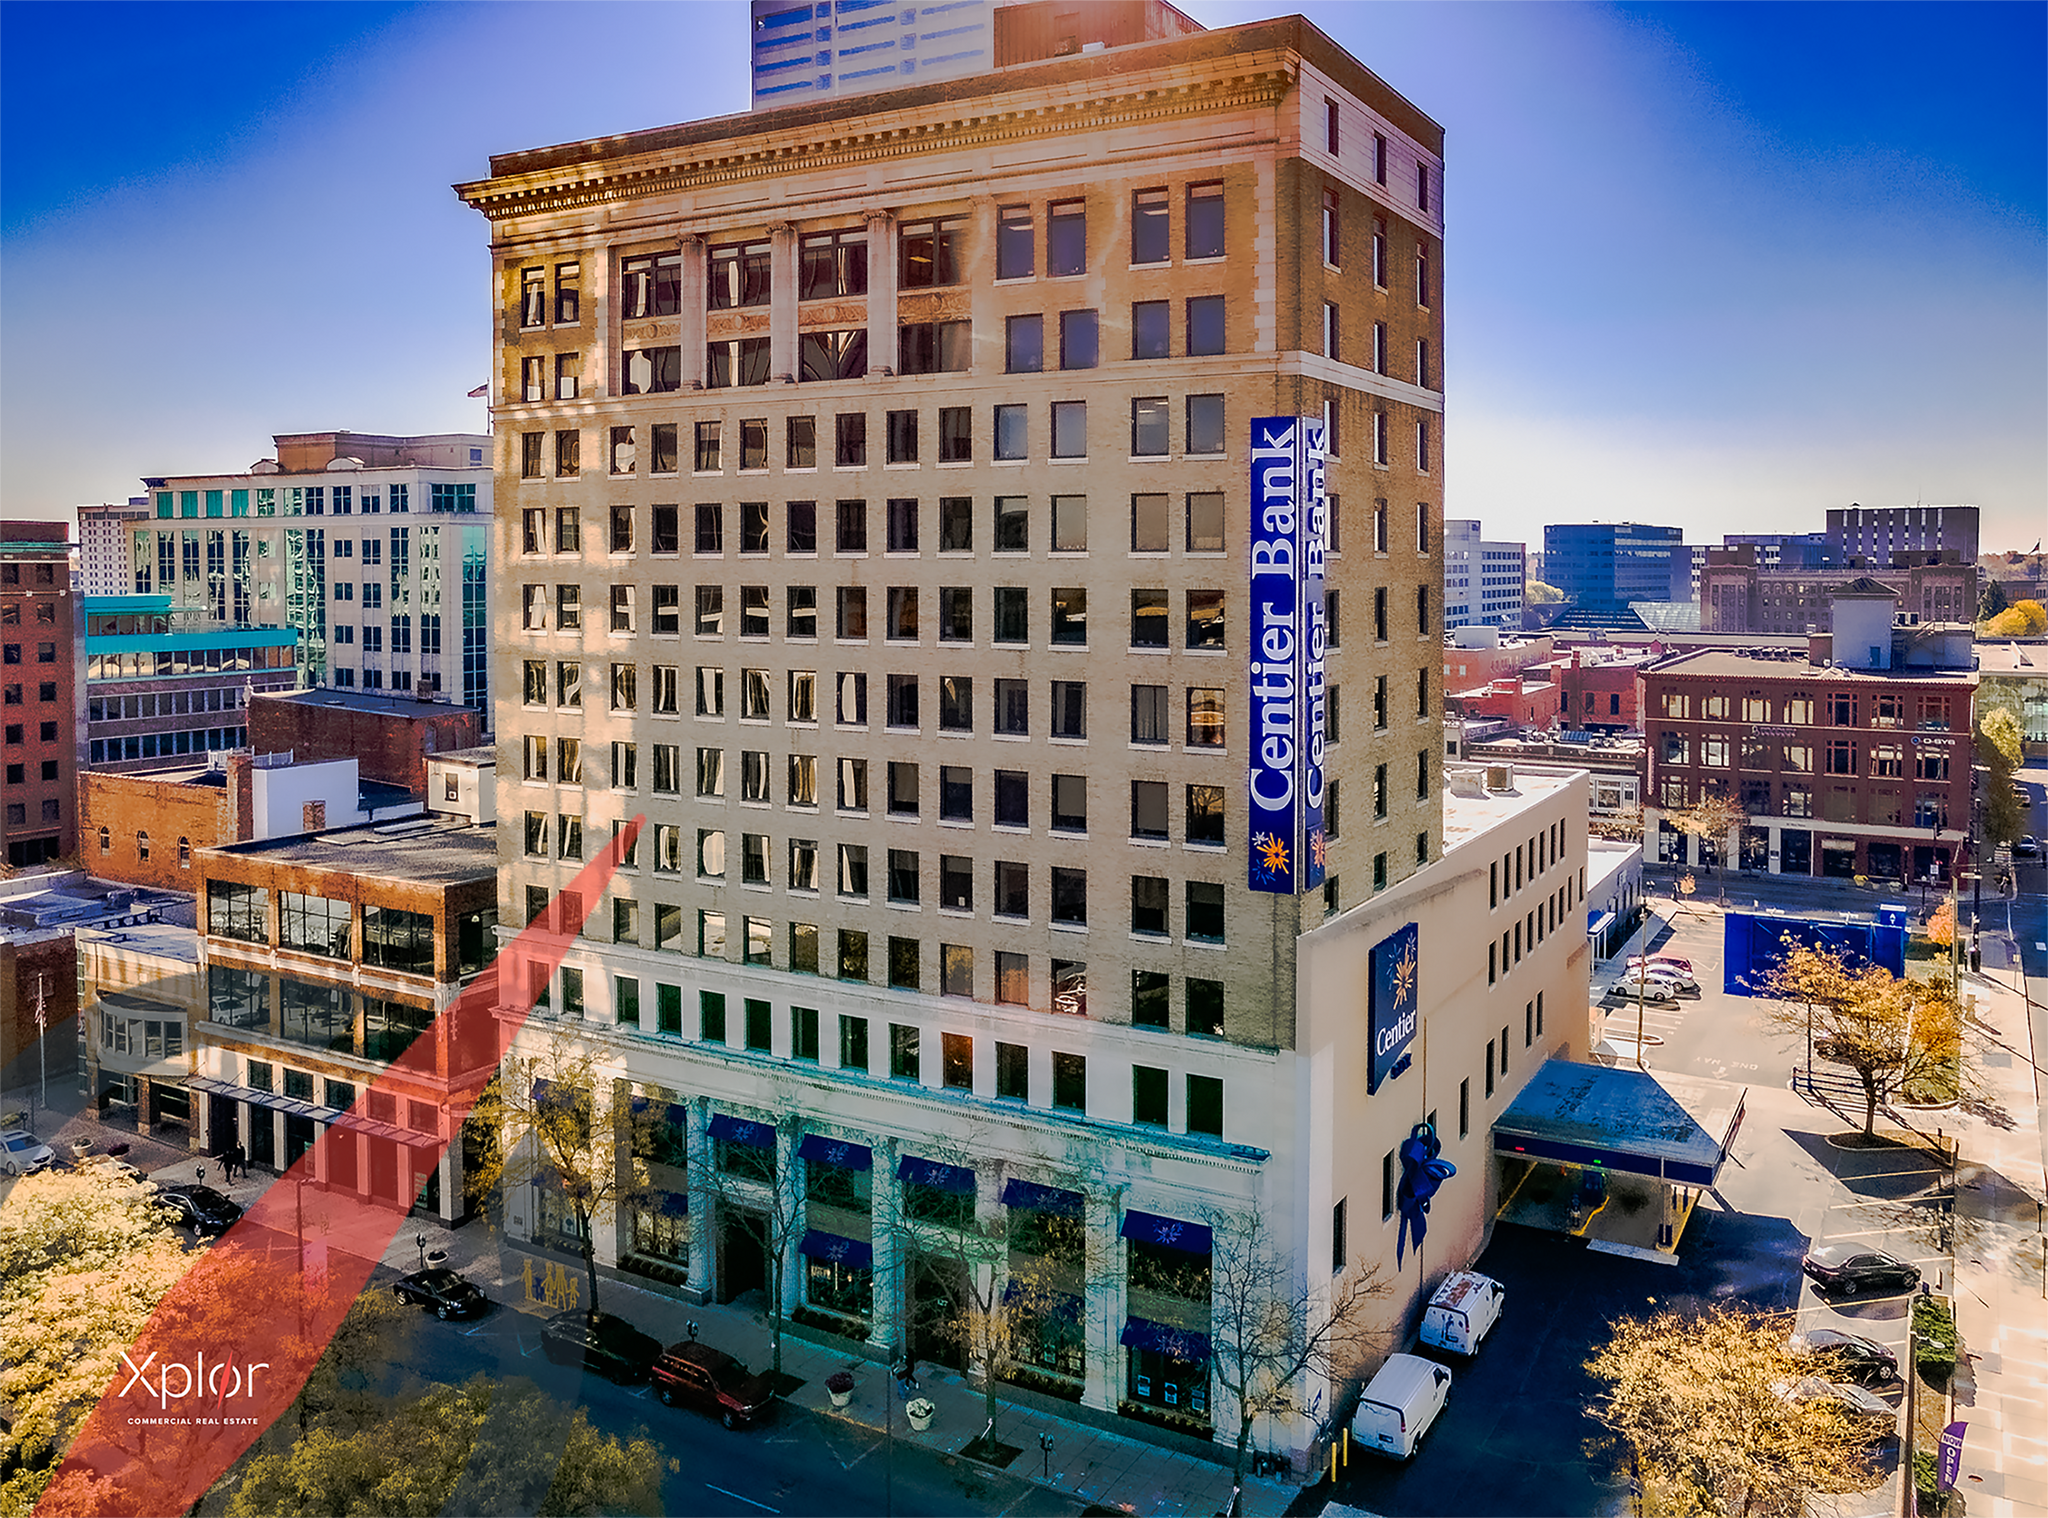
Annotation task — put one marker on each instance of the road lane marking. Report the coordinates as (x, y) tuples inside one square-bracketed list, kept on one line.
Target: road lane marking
[(749, 1501)]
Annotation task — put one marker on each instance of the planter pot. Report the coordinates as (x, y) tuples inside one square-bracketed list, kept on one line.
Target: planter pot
[(920, 1413), (841, 1399)]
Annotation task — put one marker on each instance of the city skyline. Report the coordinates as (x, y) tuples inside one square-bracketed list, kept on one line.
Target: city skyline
[(1569, 340)]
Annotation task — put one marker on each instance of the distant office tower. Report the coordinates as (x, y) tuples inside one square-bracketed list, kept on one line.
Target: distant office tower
[(1875, 533), (103, 545), (1602, 566), (1483, 581), (373, 550), (39, 681)]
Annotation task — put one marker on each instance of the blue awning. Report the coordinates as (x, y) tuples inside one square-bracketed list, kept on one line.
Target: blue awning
[(1149, 1228), (1164, 1338), (740, 1130), (675, 1114), (1060, 1304), (932, 1173), (819, 1245), (831, 1151), (1021, 1193)]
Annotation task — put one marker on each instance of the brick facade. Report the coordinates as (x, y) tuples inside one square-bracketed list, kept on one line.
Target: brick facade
[(141, 829), (389, 738)]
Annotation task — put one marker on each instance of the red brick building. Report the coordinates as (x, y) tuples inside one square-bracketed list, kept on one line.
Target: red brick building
[(38, 977), (41, 694), (1842, 772), (1513, 698), (389, 737)]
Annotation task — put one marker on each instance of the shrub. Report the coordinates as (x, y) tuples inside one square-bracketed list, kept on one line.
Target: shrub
[(1934, 1334), (1926, 1472), (840, 1381)]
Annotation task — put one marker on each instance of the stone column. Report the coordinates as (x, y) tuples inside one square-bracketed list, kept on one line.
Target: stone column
[(886, 1327), (703, 1199), (1106, 1303), (452, 1180), (143, 1094), (782, 303), (881, 292), (692, 324)]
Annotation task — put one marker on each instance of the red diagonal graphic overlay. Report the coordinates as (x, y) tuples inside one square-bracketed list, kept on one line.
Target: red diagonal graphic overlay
[(226, 1351)]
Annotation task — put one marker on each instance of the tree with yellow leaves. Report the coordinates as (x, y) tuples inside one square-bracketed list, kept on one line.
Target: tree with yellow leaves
[(1701, 1407)]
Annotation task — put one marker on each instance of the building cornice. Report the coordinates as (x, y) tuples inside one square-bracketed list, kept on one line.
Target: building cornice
[(744, 158)]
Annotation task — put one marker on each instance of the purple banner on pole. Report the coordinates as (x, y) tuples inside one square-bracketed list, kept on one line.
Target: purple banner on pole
[(1286, 635), (1949, 1462)]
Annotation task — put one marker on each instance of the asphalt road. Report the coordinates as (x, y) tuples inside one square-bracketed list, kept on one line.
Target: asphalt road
[(800, 1463)]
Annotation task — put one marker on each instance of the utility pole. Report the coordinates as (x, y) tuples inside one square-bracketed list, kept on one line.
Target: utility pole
[(42, 1033)]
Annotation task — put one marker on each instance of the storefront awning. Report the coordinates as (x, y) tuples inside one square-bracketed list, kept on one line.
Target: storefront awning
[(819, 1245), (1164, 1338), (831, 1151), (931, 1173), (1644, 1122), (292, 1106), (740, 1130), (1149, 1228), (1029, 1194)]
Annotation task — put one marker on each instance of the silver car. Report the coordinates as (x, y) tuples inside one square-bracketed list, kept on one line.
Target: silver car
[(22, 1153)]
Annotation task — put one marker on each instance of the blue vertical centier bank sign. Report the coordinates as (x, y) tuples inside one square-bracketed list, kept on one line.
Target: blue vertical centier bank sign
[(1286, 633), (1391, 1001)]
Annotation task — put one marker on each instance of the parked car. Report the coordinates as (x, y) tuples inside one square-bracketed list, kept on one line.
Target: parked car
[(598, 1341), (1874, 1416), (2028, 847), (1841, 1267), (712, 1381), (107, 1165), (1864, 1361), (1462, 1312), (1677, 971), (442, 1292), (22, 1153), (1649, 988), (200, 1208), (1398, 1406)]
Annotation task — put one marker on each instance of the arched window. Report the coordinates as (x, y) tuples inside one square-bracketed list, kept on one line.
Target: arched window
[(184, 853), (106, 841), (141, 845)]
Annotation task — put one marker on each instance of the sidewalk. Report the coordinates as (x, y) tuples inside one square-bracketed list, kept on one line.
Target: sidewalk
[(1092, 1465)]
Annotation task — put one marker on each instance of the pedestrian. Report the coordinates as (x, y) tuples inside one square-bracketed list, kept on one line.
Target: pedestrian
[(238, 1159), (906, 1378)]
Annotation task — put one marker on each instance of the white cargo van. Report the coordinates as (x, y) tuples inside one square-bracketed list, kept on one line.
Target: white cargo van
[(1463, 1312), (1398, 1407)]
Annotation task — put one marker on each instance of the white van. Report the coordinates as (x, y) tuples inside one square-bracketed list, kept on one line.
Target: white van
[(1398, 1407), (1463, 1312)]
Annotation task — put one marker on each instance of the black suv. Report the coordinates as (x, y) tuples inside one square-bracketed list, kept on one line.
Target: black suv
[(442, 1292), (598, 1341), (714, 1382), (1837, 1267), (200, 1208)]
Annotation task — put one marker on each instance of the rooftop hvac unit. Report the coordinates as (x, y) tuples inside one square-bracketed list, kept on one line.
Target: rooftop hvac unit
[(1500, 777)]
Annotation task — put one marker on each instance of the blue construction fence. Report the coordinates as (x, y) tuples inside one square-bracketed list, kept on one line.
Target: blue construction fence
[(1754, 944)]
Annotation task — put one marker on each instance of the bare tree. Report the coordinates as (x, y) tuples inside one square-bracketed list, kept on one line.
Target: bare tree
[(1707, 1411), (1269, 1327), (560, 1119), (1890, 1032), (742, 1170)]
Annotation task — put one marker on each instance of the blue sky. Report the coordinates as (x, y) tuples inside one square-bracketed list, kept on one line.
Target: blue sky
[(1722, 266)]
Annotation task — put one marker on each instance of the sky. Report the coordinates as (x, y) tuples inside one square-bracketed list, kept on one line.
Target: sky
[(1721, 266)]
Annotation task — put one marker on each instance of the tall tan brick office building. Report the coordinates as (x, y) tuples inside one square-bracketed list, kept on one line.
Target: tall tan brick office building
[(873, 517)]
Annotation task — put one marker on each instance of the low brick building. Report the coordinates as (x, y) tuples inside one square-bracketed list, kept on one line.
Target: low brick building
[(390, 737), (325, 957), (38, 1015)]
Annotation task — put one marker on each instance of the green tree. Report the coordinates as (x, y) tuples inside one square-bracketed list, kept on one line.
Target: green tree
[(1540, 594), (417, 1462), (1696, 1405), (1999, 751), (2022, 619), (1713, 817), (1992, 602)]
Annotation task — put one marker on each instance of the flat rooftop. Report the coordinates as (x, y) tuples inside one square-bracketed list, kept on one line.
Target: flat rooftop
[(417, 849), (365, 701), (1466, 817), (159, 940), (1615, 1110), (1720, 664), (482, 754), (2008, 658)]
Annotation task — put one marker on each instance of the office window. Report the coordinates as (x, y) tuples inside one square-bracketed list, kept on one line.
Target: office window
[(956, 434), (1330, 330), (933, 252), (1069, 804), (657, 371), (1080, 340), (1331, 253), (1422, 186), (1422, 450), (1421, 275), (1149, 429), (1150, 335), (1070, 429), (530, 467), (1205, 911), (902, 701), (832, 263), (568, 377), (1205, 220), (1149, 721), (934, 347), (1205, 619), (1069, 896), (901, 432), (904, 1057), (1066, 237), (1379, 157), (905, 964), (1149, 904), (1151, 215), (1205, 521), (853, 1034), (1205, 1105), (1023, 346), (1205, 324), (739, 275), (1205, 718), (1012, 890), (1148, 1096), (1069, 709), (850, 440), (1070, 524)]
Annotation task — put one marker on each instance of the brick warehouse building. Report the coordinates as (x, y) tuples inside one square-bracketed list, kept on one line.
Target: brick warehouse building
[(40, 693), (873, 517), (1842, 771)]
